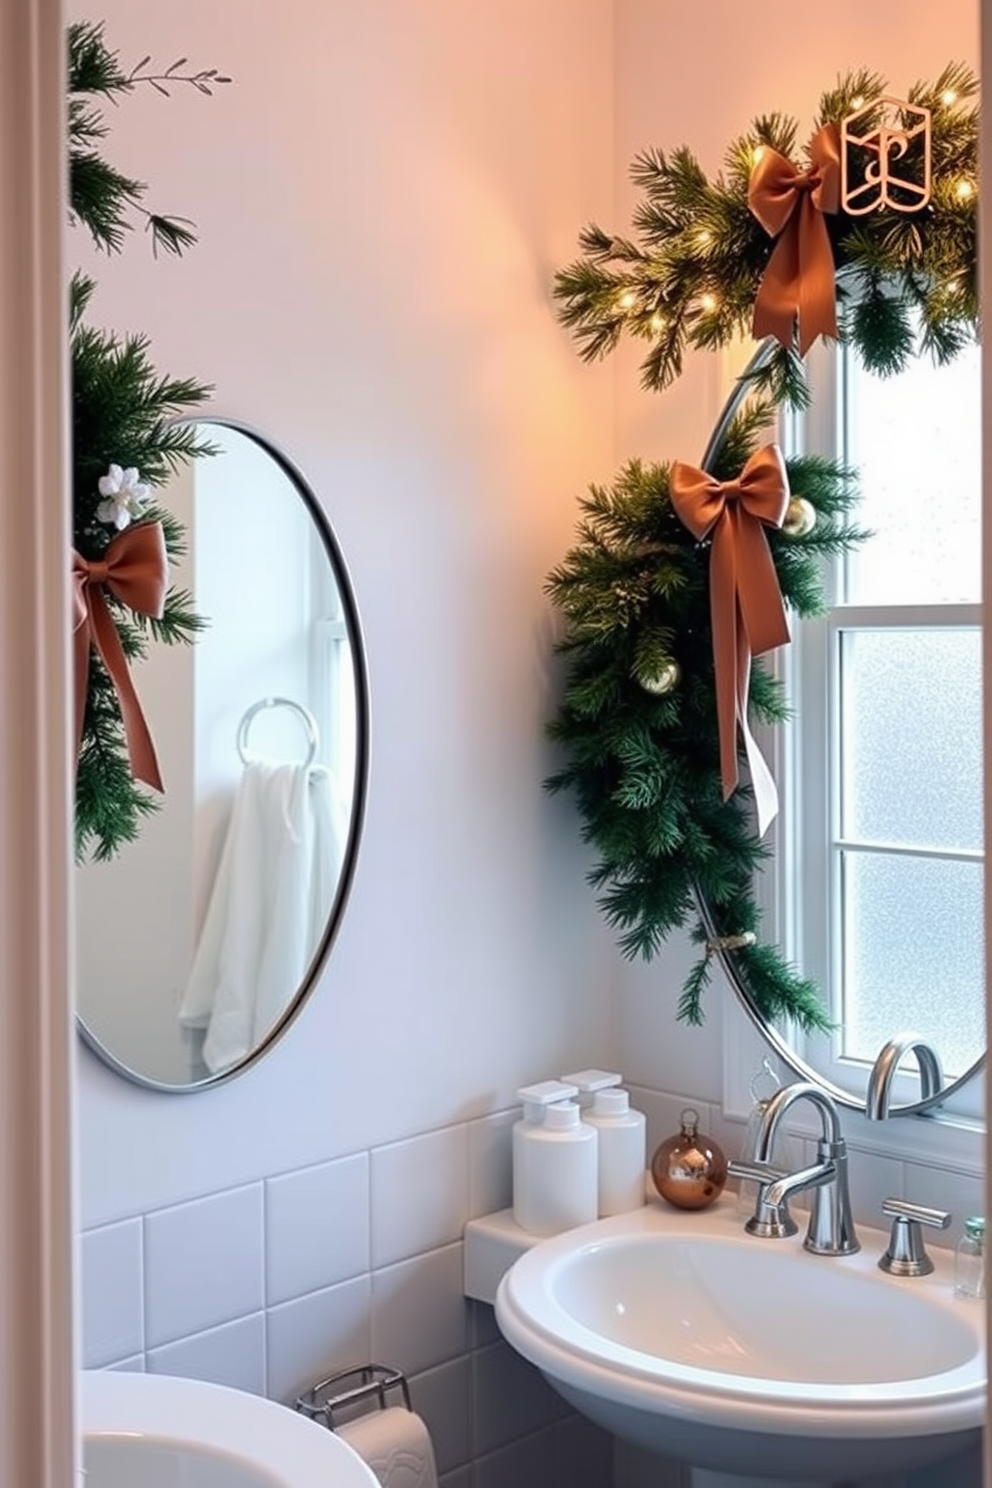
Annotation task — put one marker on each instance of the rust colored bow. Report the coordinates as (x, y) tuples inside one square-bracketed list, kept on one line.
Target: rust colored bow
[(135, 570), (745, 602), (799, 276)]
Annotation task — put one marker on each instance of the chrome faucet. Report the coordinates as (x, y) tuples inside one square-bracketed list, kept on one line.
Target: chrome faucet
[(831, 1225), (879, 1096)]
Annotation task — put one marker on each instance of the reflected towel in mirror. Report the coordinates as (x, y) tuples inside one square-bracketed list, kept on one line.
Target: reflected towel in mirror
[(268, 909)]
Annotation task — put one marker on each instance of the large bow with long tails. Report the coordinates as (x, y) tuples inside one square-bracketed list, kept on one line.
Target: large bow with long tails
[(135, 570), (799, 276), (745, 601)]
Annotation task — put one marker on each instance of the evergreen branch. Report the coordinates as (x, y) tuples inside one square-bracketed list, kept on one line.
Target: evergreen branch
[(689, 274), (645, 769)]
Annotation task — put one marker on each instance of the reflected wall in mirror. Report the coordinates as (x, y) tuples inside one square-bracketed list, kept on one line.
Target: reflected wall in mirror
[(197, 944), (875, 881)]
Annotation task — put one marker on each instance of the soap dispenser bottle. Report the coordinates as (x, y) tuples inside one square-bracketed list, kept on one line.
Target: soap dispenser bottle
[(622, 1151), (587, 1082), (555, 1166)]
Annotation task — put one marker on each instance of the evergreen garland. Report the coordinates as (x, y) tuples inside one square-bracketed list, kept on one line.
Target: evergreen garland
[(638, 721), (123, 414), (690, 275), (644, 766)]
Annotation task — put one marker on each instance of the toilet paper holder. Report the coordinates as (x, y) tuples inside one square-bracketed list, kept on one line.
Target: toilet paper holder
[(349, 1388)]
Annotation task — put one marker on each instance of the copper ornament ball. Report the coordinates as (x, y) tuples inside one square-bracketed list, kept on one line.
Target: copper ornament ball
[(689, 1170)]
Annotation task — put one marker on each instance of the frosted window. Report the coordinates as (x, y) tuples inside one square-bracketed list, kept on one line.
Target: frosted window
[(915, 441), (912, 742), (913, 955)]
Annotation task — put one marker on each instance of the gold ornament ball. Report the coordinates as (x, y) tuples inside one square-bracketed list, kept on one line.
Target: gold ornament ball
[(666, 680), (800, 517)]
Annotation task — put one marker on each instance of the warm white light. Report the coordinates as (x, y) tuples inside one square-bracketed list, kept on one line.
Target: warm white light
[(703, 236), (707, 302), (857, 102), (657, 322), (964, 189), (627, 300), (757, 153), (948, 97)]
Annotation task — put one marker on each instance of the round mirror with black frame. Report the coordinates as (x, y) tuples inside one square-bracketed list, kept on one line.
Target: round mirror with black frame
[(199, 941)]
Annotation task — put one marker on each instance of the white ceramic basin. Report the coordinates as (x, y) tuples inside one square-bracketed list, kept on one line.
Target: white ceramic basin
[(683, 1334), (157, 1431)]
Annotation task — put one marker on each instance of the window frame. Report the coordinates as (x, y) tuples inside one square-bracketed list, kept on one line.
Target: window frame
[(806, 845)]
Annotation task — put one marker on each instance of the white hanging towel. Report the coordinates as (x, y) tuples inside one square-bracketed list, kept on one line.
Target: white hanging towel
[(275, 883)]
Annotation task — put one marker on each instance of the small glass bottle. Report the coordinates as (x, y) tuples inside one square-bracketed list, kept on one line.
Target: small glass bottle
[(969, 1260)]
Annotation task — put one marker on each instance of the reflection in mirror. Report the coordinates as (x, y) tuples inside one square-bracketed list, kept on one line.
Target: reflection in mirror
[(875, 883), (198, 943)]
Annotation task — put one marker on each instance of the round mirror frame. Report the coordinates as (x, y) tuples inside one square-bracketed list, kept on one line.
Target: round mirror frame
[(342, 893), (727, 958)]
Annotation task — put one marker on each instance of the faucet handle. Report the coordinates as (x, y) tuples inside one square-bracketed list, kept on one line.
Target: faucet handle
[(757, 1172), (906, 1255)]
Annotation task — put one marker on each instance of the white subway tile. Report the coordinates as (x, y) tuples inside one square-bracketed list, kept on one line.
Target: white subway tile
[(318, 1335), (960, 1194), (112, 1287), (528, 1461), (460, 1478), (203, 1264), (231, 1355), (871, 1179), (316, 1228), (490, 1163), (584, 1454), (419, 1194), (443, 1397), (511, 1399), (419, 1311)]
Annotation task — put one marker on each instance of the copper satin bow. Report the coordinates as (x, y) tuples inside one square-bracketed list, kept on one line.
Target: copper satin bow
[(135, 570), (745, 602), (799, 276)]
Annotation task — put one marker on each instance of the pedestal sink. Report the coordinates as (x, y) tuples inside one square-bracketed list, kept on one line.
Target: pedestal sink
[(684, 1335), (156, 1431)]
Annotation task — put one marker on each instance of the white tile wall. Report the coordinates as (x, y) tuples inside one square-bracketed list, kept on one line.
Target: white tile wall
[(419, 1194), (203, 1264), (233, 1354), (113, 1292), (271, 1286), (316, 1227)]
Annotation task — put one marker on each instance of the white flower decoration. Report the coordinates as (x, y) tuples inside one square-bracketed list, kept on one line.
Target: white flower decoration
[(124, 496)]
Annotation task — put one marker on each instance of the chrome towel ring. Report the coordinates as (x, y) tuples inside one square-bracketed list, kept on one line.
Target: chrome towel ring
[(309, 723)]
